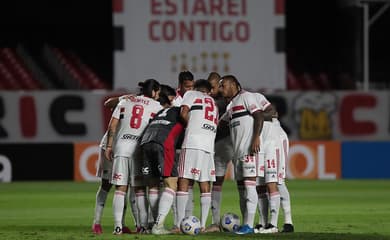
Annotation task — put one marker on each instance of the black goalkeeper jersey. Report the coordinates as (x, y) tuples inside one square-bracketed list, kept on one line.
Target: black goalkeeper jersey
[(165, 128)]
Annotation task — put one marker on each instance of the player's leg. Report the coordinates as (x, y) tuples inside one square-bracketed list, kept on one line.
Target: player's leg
[(262, 204), (216, 195), (248, 166), (223, 155), (153, 154), (174, 207), (186, 163), (284, 193), (190, 203), (125, 229), (139, 184), (205, 161), (286, 207), (241, 198), (153, 196), (101, 197), (181, 198), (168, 171), (120, 173), (167, 198), (104, 172), (272, 157), (205, 202), (134, 208)]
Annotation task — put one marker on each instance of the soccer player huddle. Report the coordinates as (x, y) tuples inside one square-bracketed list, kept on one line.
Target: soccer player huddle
[(160, 141)]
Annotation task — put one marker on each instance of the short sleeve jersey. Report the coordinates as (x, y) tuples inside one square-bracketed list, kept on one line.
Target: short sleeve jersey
[(202, 122), (164, 128), (239, 112), (134, 115)]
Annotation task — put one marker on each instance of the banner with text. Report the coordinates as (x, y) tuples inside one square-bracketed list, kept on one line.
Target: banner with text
[(74, 116), (160, 38)]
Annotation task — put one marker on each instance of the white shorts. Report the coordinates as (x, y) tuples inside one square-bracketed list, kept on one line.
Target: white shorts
[(126, 170), (223, 155), (270, 164), (248, 166), (120, 171), (197, 165), (283, 154)]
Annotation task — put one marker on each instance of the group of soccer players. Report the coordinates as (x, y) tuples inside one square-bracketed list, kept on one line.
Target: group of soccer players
[(176, 138)]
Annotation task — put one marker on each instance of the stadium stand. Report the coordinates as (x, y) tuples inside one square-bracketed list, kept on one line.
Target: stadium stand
[(71, 71), (15, 72), (45, 68), (32, 62)]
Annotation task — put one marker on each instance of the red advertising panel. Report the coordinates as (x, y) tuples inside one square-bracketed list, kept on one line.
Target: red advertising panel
[(314, 160)]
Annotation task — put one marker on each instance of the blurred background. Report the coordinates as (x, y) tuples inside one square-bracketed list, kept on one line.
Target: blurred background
[(324, 64)]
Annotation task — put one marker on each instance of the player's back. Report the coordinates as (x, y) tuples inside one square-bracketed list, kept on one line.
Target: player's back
[(202, 121), (134, 115), (163, 125)]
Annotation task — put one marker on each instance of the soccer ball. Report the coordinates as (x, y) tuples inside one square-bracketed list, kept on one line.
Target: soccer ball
[(230, 222), (190, 225)]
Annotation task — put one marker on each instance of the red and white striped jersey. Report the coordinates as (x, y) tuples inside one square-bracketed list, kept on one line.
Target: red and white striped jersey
[(239, 114), (203, 119), (134, 114)]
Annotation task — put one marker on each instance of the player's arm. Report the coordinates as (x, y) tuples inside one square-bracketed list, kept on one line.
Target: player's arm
[(184, 112), (113, 101), (110, 137), (258, 122), (270, 113)]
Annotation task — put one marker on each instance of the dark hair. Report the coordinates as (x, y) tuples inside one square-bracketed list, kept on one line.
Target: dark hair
[(213, 75), (232, 79), (185, 75), (202, 84), (147, 86), (166, 91)]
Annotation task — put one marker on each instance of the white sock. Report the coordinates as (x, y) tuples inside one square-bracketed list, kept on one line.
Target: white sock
[(205, 202), (274, 203), (263, 209), (285, 203), (166, 200), (101, 197), (134, 208), (153, 202), (242, 201), (118, 206), (181, 202), (124, 211), (140, 199), (216, 195), (174, 212), (251, 201), (190, 203), (150, 214)]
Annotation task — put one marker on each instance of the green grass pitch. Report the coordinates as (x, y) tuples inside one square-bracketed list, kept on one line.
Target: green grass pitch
[(341, 209)]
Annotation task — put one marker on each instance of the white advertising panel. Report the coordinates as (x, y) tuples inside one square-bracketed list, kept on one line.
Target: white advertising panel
[(163, 37)]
